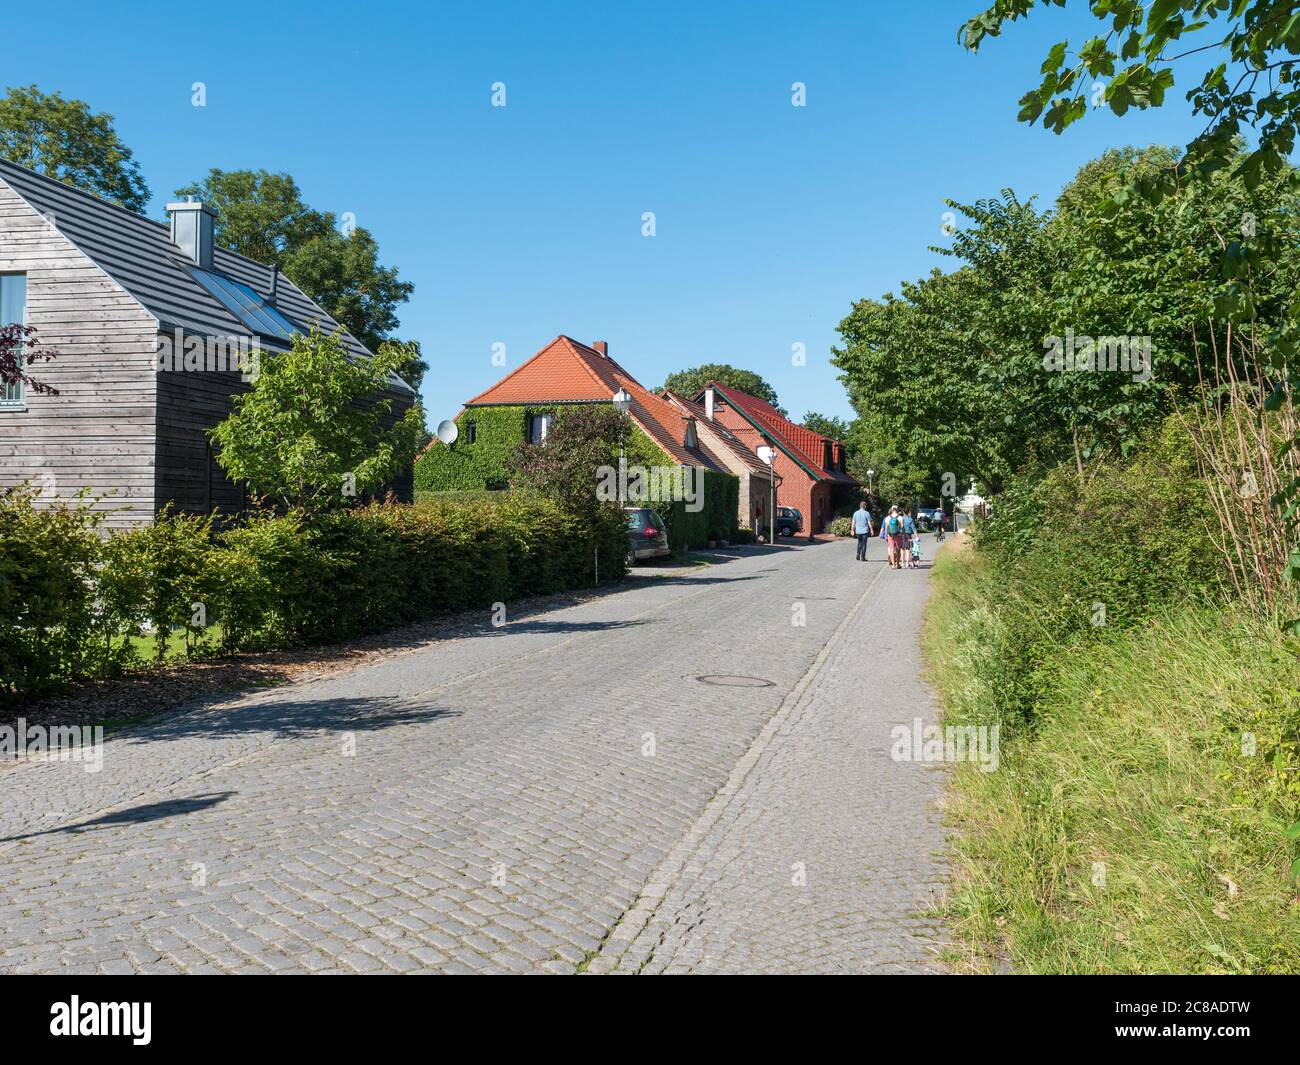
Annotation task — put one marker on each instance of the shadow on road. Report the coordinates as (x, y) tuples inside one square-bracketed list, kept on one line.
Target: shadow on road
[(292, 718), (541, 625), (136, 815)]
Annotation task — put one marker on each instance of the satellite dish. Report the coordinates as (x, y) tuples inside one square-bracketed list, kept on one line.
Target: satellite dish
[(447, 431)]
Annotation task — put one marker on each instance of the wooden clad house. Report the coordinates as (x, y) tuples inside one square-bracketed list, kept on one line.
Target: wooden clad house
[(152, 324)]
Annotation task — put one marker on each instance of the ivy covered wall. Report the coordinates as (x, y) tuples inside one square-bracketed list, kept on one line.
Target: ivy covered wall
[(465, 466), (497, 431)]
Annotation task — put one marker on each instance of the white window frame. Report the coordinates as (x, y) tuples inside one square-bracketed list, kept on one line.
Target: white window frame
[(543, 422), (14, 397)]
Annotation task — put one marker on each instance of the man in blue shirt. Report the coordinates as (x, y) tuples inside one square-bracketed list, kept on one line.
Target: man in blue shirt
[(863, 527)]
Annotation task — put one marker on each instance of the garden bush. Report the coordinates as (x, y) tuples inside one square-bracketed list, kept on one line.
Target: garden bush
[(47, 615), (841, 527), (72, 601)]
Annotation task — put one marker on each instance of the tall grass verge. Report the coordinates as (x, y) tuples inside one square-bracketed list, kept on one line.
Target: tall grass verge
[(1137, 822)]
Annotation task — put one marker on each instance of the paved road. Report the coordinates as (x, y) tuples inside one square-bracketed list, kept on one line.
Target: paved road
[(559, 794)]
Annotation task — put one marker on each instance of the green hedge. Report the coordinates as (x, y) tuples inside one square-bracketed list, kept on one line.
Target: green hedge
[(715, 520), (72, 603)]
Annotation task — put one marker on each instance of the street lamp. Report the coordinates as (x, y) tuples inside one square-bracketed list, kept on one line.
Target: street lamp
[(622, 401), (768, 455), (871, 481)]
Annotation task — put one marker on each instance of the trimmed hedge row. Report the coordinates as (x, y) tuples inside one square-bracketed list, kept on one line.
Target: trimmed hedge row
[(71, 602), (715, 520)]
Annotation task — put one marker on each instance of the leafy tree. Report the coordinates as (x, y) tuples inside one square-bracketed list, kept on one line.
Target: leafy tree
[(827, 425), (260, 215), (414, 366), (309, 434), (564, 468), (1249, 48), (690, 382), (18, 350), (343, 275), (263, 216), (879, 444), (1248, 83), (956, 365), (64, 139)]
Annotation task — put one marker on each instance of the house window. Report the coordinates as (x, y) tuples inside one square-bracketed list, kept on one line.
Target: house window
[(692, 436), (13, 311), (471, 432), (828, 462), (539, 427)]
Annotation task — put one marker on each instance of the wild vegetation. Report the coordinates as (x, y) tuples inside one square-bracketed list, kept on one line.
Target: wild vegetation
[(1116, 373)]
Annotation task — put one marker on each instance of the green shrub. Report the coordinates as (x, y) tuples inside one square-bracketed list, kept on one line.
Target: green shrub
[(158, 574), (289, 582), (276, 580), (48, 557), (841, 526), (715, 520)]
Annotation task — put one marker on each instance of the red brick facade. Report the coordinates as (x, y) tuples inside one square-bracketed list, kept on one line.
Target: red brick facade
[(810, 465)]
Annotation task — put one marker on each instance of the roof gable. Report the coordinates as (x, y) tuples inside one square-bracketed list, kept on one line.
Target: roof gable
[(802, 444), (138, 254), (568, 371), (723, 435)]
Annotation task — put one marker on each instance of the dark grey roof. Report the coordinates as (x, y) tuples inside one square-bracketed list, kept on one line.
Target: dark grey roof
[(139, 255)]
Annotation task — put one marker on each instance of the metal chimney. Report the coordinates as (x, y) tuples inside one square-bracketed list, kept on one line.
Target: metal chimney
[(192, 230)]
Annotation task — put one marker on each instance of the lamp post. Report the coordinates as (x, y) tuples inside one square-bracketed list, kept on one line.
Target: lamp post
[(871, 482), (768, 455), (622, 400)]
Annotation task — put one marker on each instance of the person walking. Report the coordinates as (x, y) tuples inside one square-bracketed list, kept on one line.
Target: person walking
[(863, 529), (909, 538), (894, 533)]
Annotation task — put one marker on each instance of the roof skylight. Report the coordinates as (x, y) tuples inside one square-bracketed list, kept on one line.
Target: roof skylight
[(245, 304)]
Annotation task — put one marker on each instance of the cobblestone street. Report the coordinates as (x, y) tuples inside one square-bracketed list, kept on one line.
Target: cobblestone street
[(560, 794)]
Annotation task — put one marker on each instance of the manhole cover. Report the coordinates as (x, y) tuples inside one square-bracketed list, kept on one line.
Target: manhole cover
[(726, 680)]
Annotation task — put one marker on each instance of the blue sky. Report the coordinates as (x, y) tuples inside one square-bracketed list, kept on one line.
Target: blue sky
[(522, 222)]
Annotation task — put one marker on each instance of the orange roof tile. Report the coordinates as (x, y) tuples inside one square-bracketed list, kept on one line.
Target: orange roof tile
[(800, 442), (568, 371)]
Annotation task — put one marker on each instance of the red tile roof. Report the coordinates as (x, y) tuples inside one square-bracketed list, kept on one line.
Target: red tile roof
[(798, 441), (724, 434), (568, 371), (562, 372)]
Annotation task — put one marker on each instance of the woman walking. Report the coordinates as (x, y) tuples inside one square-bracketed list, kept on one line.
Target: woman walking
[(894, 533)]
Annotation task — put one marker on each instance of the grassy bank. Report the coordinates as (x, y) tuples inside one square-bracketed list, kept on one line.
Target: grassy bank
[(1126, 830)]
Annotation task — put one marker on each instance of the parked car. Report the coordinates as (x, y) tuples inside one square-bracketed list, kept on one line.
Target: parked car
[(788, 521), (647, 535)]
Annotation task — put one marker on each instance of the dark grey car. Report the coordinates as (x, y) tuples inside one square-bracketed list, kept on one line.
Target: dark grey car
[(647, 536)]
